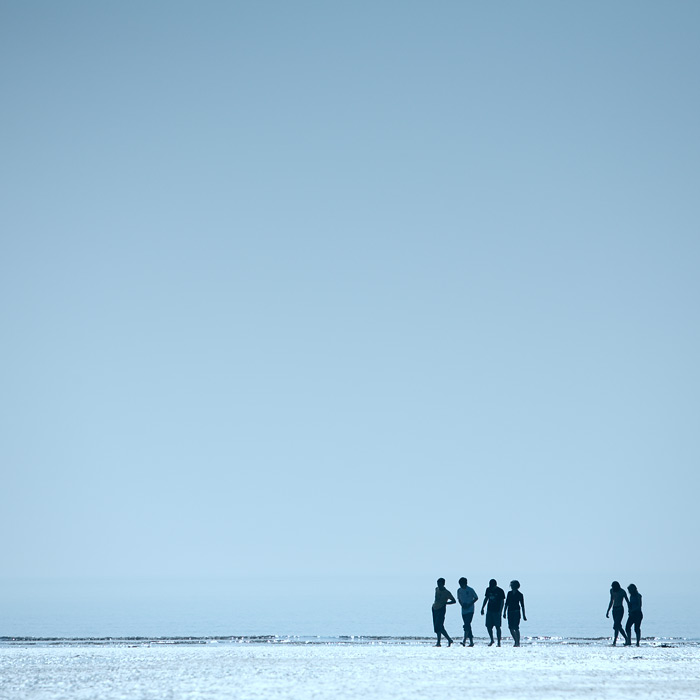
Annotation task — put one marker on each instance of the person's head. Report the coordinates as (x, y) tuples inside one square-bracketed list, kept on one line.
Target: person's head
[(615, 586), (632, 589), (515, 585), (493, 583), (463, 582), (441, 583)]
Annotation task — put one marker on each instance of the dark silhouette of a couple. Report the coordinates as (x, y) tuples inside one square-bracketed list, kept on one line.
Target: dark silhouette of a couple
[(618, 597)]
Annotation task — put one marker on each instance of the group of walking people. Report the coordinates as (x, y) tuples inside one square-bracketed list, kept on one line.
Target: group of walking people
[(634, 612), (495, 603)]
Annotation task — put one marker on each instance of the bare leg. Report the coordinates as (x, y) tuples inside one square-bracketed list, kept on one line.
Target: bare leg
[(468, 630), (619, 630), (498, 634), (490, 629), (628, 629)]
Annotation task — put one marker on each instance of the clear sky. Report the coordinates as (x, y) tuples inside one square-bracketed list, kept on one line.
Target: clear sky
[(349, 287)]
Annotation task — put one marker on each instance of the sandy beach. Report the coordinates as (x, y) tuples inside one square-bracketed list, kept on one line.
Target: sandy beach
[(415, 670)]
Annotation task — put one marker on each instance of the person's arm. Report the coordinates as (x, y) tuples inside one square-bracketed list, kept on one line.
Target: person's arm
[(607, 614), (483, 605), (451, 600), (627, 600), (522, 603), (476, 597), (505, 607)]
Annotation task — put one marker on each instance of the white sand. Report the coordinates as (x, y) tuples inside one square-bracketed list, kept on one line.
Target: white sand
[(336, 671)]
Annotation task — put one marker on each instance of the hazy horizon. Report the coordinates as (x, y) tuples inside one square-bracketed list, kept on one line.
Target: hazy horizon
[(325, 606)]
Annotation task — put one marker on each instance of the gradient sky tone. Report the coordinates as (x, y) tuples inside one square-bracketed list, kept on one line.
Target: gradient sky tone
[(349, 287)]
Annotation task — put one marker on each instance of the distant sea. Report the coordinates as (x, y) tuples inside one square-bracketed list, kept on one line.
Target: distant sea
[(307, 609)]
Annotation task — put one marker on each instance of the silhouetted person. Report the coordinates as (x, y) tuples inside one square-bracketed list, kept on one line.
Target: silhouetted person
[(494, 596), (467, 597), (617, 597), (634, 614), (443, 598), (514, 601)]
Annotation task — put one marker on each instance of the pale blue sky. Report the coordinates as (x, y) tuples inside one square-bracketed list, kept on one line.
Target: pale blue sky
[(364, 286)]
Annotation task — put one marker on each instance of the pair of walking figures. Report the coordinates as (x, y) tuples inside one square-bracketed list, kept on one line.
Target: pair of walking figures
[(634, 612)]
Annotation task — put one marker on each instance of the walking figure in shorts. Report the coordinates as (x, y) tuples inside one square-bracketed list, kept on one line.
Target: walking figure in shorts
[(494, 597), (443, 598), (467, 597), (634, 614), (617, 597), (514, 601)]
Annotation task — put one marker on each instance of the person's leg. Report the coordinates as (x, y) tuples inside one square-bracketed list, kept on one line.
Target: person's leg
[(617, 624), (623, 633), (628, 630), (490, 630), (514, 627), (515, 631), (638, 627), (498, 633), (465, 625), (437, 626), (468, 628), (440, 626)]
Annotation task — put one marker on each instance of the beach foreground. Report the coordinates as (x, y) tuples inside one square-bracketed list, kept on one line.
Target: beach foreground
[(415, 670)]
